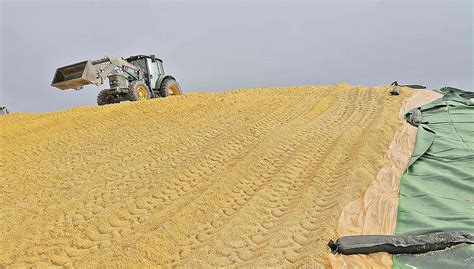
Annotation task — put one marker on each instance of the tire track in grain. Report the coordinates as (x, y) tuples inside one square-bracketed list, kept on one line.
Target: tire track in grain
[(283, 210)]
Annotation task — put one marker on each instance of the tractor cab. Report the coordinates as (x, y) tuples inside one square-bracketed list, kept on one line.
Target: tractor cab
[(151, 67)]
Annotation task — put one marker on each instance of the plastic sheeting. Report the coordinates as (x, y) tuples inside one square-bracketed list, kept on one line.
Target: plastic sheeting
[(437, 190), (376, 211)]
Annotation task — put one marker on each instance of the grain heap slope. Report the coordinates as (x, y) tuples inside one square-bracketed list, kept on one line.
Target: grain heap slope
[(253, 177)]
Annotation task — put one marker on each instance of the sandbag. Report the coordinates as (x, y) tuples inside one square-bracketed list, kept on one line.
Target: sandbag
[(415, 118), (413, 86), (395, 91), (414, 244)]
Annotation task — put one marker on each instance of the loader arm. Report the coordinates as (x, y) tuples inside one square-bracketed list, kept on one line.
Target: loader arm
[(78, 75)]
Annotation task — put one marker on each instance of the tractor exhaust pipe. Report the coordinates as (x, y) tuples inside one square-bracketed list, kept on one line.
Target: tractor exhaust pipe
[(76, 76)]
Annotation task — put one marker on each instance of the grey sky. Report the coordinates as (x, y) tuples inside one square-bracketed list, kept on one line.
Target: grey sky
[(218, 46)]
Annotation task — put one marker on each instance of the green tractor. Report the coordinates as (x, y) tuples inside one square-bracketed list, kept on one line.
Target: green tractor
[(135, 78)]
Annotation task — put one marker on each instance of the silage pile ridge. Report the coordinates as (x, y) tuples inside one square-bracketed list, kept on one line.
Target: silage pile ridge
[(254, 177)]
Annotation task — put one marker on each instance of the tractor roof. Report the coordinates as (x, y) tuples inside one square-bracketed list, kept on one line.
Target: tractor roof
[(136, 57)]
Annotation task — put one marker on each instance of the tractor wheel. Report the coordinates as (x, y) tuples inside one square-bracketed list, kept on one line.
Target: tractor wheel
[(106, 97), (138, 91), (169, 87)]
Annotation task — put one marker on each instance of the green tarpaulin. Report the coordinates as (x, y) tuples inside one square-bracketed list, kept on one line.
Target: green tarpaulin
[(437, 189)]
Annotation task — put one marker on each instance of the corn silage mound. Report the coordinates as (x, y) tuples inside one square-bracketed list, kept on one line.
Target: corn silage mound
[(253, 177)]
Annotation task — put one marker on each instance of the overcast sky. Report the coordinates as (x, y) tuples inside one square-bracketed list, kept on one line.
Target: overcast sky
[(212, 46)]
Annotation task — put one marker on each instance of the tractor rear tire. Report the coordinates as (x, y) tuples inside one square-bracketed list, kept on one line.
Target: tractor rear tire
[(106, 97), (169, 87), (138, 91)]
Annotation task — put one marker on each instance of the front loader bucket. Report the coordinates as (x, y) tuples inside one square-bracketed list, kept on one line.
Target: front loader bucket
[(75, 76)]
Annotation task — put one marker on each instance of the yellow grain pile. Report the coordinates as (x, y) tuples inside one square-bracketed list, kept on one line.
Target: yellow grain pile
[(253, 177)]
